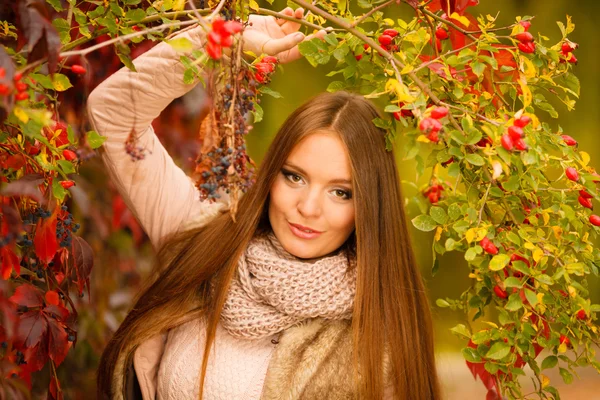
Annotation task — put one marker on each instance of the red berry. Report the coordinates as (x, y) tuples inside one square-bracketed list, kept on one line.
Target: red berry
[(233, 27), (515, 132), (507, 142), (430, 125), (581, 315), (391, 32), (568, 47), (528, 47), (21, 87), (595, 220), (450, 161), (524, 37), (397, 115), (22, 96), (260, 77), (525, 24), (439, 112), (269, 59), (441, 34), (585, 194), (17, 77), (572, 59), (500, 292), (213, 50), (520, 145), (4, 90), (433, 197), (433, 136), (136, 28), (265, 68), (358, 57), (366, 46), (564, 339), (523, 121), (78, 69), (587, 203), (385, 40), (67, 184), (569, 141), (2, 72), (572, 174), (488, 246), (69, 155), (563, 293)]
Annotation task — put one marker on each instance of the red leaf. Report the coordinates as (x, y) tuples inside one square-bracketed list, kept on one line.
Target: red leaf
[(458, 6), (28, 185), (52, 297), (58, 312), (36, 356), (45, 241), (10, 261), (54, 391), (16, 161), (83, 260), (42, 39), (32, 329), (27, 295), (58, 345)]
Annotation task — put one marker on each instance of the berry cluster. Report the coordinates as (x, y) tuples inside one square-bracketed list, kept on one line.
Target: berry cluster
[(434, 193), (135, 152), (403, 112), (387, 39), (526, 43), (264, 68), (220, 37), (513, 139), (567, 49), (65, 228), (20, 86), (431, 125)]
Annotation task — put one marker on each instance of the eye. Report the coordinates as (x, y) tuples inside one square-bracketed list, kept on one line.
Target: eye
[(343, 194), (292, 177)]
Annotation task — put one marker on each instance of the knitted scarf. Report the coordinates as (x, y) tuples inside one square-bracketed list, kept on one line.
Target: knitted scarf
[(274, 290)]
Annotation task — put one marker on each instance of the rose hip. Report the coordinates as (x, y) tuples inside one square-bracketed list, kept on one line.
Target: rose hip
[(572, 174)]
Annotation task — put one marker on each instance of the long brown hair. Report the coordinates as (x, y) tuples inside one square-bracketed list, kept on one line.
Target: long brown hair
[(391, 304)]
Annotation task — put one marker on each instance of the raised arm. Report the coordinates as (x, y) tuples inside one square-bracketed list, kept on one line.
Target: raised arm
[(161, 196), (155, 189)]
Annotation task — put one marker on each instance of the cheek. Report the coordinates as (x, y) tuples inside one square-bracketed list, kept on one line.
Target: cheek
[(342, 218), (279, 199)]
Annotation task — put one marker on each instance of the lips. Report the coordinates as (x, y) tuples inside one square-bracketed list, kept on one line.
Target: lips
[(303, 232)]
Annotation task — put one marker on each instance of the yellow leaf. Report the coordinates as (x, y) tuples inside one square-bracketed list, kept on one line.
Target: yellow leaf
[(557, 232), (388, 21), (438, 233), (407, 68), (527, 67), (585, 158), (540, 297), (529, 246), (545, 380), (21, 114), (493, 325), (423, 139), (470, 235), (546, 218), (562, 348), (572, 291), (527, 96), (462, 19), (178, 5), (400, 89), (538, 254), (254, 5)]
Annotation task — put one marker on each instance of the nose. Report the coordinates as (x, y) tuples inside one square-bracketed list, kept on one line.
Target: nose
[(309, 204)]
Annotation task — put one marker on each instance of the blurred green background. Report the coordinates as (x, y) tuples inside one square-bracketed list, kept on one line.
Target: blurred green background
[(300, 81)]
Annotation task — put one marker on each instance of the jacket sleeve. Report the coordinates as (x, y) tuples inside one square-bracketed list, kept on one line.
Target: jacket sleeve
[(160, 195)]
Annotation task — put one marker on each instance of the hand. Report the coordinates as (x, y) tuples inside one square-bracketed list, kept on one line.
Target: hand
[(276, 36)]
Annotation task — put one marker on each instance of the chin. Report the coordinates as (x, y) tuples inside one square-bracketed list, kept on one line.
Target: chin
[(298, 249)]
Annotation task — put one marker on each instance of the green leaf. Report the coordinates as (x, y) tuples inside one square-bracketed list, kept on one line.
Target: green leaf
[(66, 166), (545, 279), (57, 190), (513, 282), (257, 113), (454, 170), (499, 261), (531, 297), (513, 183), (514, 302), (454, 211), (461, 330), (181, 44), (61, 82), (135, 15), (566, 375), (491, 367), (94, 139), (498, 351), (439, 215), (56, 4), (270, 92), (335, 86), (470, 254), (549, 362), (424, 223), (442, 303), (43, 80), (475, 159), (478, 68), (70, 134), (470, 355)]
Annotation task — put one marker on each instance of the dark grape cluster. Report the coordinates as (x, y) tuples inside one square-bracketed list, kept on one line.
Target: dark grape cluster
[(65, 228), (135, 152)]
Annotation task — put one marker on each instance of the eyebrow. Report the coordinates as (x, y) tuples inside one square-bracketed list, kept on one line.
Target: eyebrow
[(297, 168)]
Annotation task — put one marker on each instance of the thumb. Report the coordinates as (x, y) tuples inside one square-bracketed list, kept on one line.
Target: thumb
[(276, 46)]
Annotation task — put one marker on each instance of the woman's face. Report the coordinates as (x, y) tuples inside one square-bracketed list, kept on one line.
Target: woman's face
[(313, 192)]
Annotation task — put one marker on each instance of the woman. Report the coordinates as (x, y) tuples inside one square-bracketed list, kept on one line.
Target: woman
[(312, 294)]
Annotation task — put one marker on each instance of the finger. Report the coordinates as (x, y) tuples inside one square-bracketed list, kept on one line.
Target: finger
[(291, 26), (286, 11), (276, 46), (294, 53)]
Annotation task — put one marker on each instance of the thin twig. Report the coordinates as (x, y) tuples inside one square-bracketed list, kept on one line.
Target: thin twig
[(483, 205), (217, 9), (370, 12), (275, 14)]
